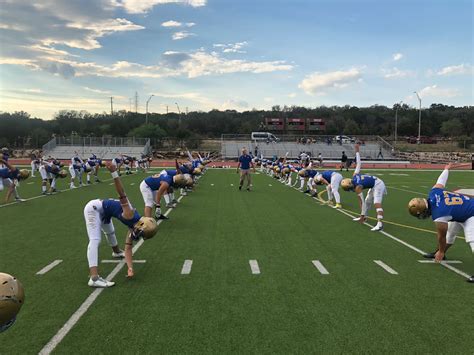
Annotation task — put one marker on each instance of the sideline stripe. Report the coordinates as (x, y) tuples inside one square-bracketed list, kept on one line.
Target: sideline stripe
[(186, 270), (385, 267), (320, 267), (254, 267), (71, 322), (122, 261), (442, 262), (49, 267)]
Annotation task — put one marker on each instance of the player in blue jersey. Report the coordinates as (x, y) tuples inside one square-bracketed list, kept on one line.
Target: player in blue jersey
[(332, 180), (156, 186), (50, 172), (244, 165), (451, 213), (75, 170), (35, 164), (377, 190), (99, 214), (9, 177)]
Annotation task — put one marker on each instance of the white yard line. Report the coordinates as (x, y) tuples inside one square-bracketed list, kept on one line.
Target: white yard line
[(66, 328), (385, 267), (320, 267), (254, 267), (186, 270), (419, 251), (49, 267), (411, 191)]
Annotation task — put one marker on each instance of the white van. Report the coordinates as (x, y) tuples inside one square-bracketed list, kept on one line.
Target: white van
[(264, 136)]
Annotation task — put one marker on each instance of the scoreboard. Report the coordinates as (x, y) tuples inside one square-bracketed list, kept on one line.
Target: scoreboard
[(275, 124), (296, 124), (316, 124)]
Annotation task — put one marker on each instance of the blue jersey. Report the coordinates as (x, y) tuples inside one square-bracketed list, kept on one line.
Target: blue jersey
[(6, 173), (311, 173), (185, 169), (366, 181), (171, 172), (52, 169), (444, 203), (154, 182), (245, 161), (112, 208), (91, 162), (195, 163), (327, 175), (118, 160)]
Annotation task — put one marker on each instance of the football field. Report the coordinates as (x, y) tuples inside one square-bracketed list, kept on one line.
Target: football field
[(267, 271)]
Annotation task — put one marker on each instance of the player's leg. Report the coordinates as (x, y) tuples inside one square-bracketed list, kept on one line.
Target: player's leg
[(33, 168), (72, 172), (335, 184), (109, 232), (44, 178), (93, 221), (379, 192), (468, 226), (147, 195), (242, 176)]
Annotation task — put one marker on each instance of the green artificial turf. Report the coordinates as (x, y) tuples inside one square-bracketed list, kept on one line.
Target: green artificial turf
[(221, 307)]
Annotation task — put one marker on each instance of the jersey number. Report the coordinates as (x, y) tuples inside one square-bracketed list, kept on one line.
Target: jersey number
[(452, 200)]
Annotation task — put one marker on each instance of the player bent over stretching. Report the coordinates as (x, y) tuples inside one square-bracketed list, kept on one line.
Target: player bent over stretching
[(9, 176), (450, 212), (98, 215), (377, 190)]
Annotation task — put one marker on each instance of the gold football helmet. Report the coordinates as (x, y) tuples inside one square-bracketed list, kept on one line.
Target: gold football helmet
[(346, 184), (189, 180), (24, 174), (285, 171), (418, 207), (277, 169), (197, 171), (62, 174), (145, 228), (179, 180), (302, 172), (12, 297)]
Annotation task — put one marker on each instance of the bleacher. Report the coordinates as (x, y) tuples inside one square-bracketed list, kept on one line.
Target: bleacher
[(232, 149), (102, 147)]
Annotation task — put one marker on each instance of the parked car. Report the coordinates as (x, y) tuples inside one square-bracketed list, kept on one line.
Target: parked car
[(344, 139), (423, 140), (264, 136)]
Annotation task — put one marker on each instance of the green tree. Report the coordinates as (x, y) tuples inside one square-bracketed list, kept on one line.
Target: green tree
[(149, 130), (452, 128)]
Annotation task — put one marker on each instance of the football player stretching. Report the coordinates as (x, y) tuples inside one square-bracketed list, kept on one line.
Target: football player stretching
[(156, 186), (98, 215), (451, 212), (377, 190), (332, 180), (9, 177)]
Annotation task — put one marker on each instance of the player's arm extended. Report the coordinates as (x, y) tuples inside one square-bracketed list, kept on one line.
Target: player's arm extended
[(360, 194), (358, 160), (238, 166), (7, 164), (129, 254), (161, 191), (441, 229), (127, 210), (443, 178)]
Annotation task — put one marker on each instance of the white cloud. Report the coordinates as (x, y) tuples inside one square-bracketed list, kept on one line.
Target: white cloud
[(457, 70), (397, 56), (437, 92), (171, 23), (396, 73), (238, 105), (292, 95), (143, 6), (181, 35), (96, 91), (232, 47), (269, 99), (316, 82), (33, 91)]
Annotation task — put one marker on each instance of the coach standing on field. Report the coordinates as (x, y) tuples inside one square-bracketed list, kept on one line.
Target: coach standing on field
[(245, 161)]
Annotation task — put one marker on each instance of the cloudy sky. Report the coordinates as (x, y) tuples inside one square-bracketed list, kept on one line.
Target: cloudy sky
[(232, 54)]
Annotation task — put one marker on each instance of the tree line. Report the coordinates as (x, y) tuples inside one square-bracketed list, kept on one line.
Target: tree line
[(19, 129)]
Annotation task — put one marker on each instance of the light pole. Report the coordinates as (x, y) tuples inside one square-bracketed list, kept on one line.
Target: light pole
[(419, 119), (179, 113), (396, 120), (147, 102)]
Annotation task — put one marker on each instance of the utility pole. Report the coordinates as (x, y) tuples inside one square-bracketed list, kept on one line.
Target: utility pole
[(186, 110), (166, 109), (419, 118), (147, 102), (111, 105), (136, 102), (179, 113), (130, 104), (396, 120)]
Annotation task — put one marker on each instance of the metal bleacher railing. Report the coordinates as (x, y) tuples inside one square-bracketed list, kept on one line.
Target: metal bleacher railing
[(373, 147)]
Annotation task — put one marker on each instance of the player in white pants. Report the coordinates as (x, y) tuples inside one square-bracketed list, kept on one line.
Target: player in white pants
[(332, 180)]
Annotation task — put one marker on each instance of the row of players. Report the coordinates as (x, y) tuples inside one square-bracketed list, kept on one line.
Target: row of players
[(451, 212), (98, 214)]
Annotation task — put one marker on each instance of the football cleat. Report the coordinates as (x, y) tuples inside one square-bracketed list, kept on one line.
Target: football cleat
[(19, 199), (471, 280), (100, 283), (119, 255), (377, 228), (338, 205), (357, 219)]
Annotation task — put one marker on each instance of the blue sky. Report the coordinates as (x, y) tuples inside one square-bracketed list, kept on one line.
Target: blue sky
[(239, 55)]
